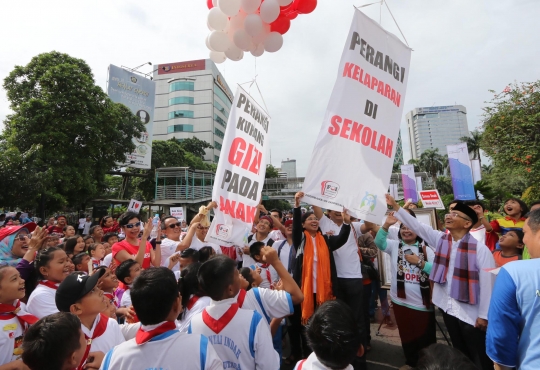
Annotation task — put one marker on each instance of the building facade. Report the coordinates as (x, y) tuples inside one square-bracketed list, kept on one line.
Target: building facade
[(289, 167), (398, 158), (192, 100), (436, 127)]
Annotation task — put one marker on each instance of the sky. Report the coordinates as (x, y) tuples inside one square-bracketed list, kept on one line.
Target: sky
[(462, 49)]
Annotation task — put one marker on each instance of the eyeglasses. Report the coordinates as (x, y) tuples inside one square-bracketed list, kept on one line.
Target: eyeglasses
[(22, 236), (454, 215), (131, 226), (172, 226)]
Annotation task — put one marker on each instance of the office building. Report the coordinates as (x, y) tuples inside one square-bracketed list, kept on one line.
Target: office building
[(436, 127), (192, 100), (289, 167), (398, 158)]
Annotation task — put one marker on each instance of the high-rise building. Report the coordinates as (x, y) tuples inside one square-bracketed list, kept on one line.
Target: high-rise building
[(436, 127), (289, 167), (398, 158), (192, 100)]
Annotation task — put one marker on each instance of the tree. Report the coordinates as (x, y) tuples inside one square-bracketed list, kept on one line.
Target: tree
[(432, 162), (165, 153), (417, 165), (512, 131), (444, 185), (271, 172), (473, 144), (487, 168), (64, 133), (195, 146)]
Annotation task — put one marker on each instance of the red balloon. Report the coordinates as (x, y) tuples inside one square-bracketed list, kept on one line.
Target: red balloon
[(281, 24), (292, 15), (306, 6), (209, 4)]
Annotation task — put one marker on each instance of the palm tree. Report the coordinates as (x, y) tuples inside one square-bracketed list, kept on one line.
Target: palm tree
[(417, 165), (432, 162), (487, 168), (473, 144), (445, 165)]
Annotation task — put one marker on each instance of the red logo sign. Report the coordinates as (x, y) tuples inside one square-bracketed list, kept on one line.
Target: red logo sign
[(192, 65)]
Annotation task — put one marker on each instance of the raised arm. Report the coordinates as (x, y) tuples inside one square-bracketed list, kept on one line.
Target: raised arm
[(297, 230), (209, 207), (336, 242), (424, 231), (318, 212), (186, 242), (382, 232), (270, 255)]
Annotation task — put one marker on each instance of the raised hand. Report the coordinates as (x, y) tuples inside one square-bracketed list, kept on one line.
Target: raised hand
[(392, 202), (297, 198), (390, 220)]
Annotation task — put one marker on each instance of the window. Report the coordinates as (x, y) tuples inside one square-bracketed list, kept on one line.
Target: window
[(220, 120), (220, 108), (181, 114), (181, 100), (222, 95), (217, 145), (179, 128), (182, 86), (216, 158), (219, 133)]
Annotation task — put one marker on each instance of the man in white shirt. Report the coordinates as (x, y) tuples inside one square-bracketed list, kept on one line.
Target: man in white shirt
[(171, 227), (464, 299)]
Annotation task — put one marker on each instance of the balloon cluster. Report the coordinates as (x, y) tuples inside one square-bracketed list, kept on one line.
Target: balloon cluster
[(254, 26)]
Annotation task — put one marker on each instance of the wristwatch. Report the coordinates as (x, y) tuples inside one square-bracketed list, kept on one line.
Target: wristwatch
[(419, 264)]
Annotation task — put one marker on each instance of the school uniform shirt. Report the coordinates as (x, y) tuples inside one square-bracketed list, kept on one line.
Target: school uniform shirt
[(411, 274), (170, 350), (284, 252), (109, 339), (195, 305), (11, 337), (197, 245), (176, 267), (271, 304), (125, 301), (479, 233), (269, 275), (346, 258), (513, 334), (246, 258), (107, 260), (42, 301), (168, 248), (129, 331), (465, 312), (276, 235), (240, 337), (312, 362)]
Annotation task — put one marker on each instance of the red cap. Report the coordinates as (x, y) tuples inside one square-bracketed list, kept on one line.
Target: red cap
[(9, 230), (288, 223)]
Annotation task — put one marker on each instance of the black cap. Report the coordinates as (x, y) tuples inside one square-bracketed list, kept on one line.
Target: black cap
[(74, 287), (462, 207)]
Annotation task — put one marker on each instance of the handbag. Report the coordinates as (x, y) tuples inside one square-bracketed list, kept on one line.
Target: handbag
[(366, 265)]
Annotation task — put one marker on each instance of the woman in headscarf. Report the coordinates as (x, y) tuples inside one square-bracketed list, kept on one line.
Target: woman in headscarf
[(14, 243)]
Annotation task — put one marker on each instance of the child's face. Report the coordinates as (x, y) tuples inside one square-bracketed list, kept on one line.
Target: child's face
[(89, 241), (185, 262), (108, 282), (111, 310), (512, 208), (70, 231), (112, 240), (107, 248), (99, 252), (53, 241), (83, 266), (79, 247), (11, 285), (78, 354), (58, 267), (134, 271), (93, 302), (510, 240)]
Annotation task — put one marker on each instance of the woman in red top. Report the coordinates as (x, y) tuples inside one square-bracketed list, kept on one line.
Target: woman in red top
[(134, 248), (109, 225)]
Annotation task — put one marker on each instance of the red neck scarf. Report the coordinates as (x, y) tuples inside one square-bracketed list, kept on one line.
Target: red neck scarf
[(144, 336), (241, 297), (192, 302), (8, 311), (98, 332), (218, 325), (49, 284), (266, 266)]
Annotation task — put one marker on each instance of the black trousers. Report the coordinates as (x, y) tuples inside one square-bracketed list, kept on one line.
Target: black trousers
[(469, 340), (351, 292), (366, 300)]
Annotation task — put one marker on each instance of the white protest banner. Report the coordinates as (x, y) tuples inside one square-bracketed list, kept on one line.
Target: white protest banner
[(134, 206), (178, 213), (240, 172), (431, 199), (352, 160)]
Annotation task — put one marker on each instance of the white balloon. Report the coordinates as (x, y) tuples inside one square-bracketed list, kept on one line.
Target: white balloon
[(259, 39), (219, 41), (242, 40), (237, 22), (217, 57), (214, 2), (250, 6), (234, 53), (217, 20), (269, 10), (284, 2), (273, 42), (229, 7), (208, 43), (258, 51), (253, 24)]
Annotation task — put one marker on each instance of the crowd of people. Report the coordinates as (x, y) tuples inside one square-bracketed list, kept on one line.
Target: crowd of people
[(110, 296)]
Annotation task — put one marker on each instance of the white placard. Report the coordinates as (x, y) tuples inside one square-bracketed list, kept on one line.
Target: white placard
[(240, 172), (178, 212), (134, 206), (353, 157)]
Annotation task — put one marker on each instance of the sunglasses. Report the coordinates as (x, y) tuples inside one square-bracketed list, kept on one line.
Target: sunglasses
[(131, 226), (172, 226)]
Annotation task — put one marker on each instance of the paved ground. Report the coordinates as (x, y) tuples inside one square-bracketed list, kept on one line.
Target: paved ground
[(386, 352)]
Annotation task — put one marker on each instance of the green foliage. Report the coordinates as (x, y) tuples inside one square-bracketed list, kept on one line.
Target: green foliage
[(167, 153), (195, 146), (473, 144), (432, 162), (271, 172), (444, 185), (512, 132), (64, 133), (280, 204)]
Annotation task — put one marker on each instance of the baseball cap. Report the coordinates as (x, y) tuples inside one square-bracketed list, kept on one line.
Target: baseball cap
[(74, 287)]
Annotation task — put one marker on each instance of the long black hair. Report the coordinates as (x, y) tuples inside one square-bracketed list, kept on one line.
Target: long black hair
[(188, 284), (43, 258)]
